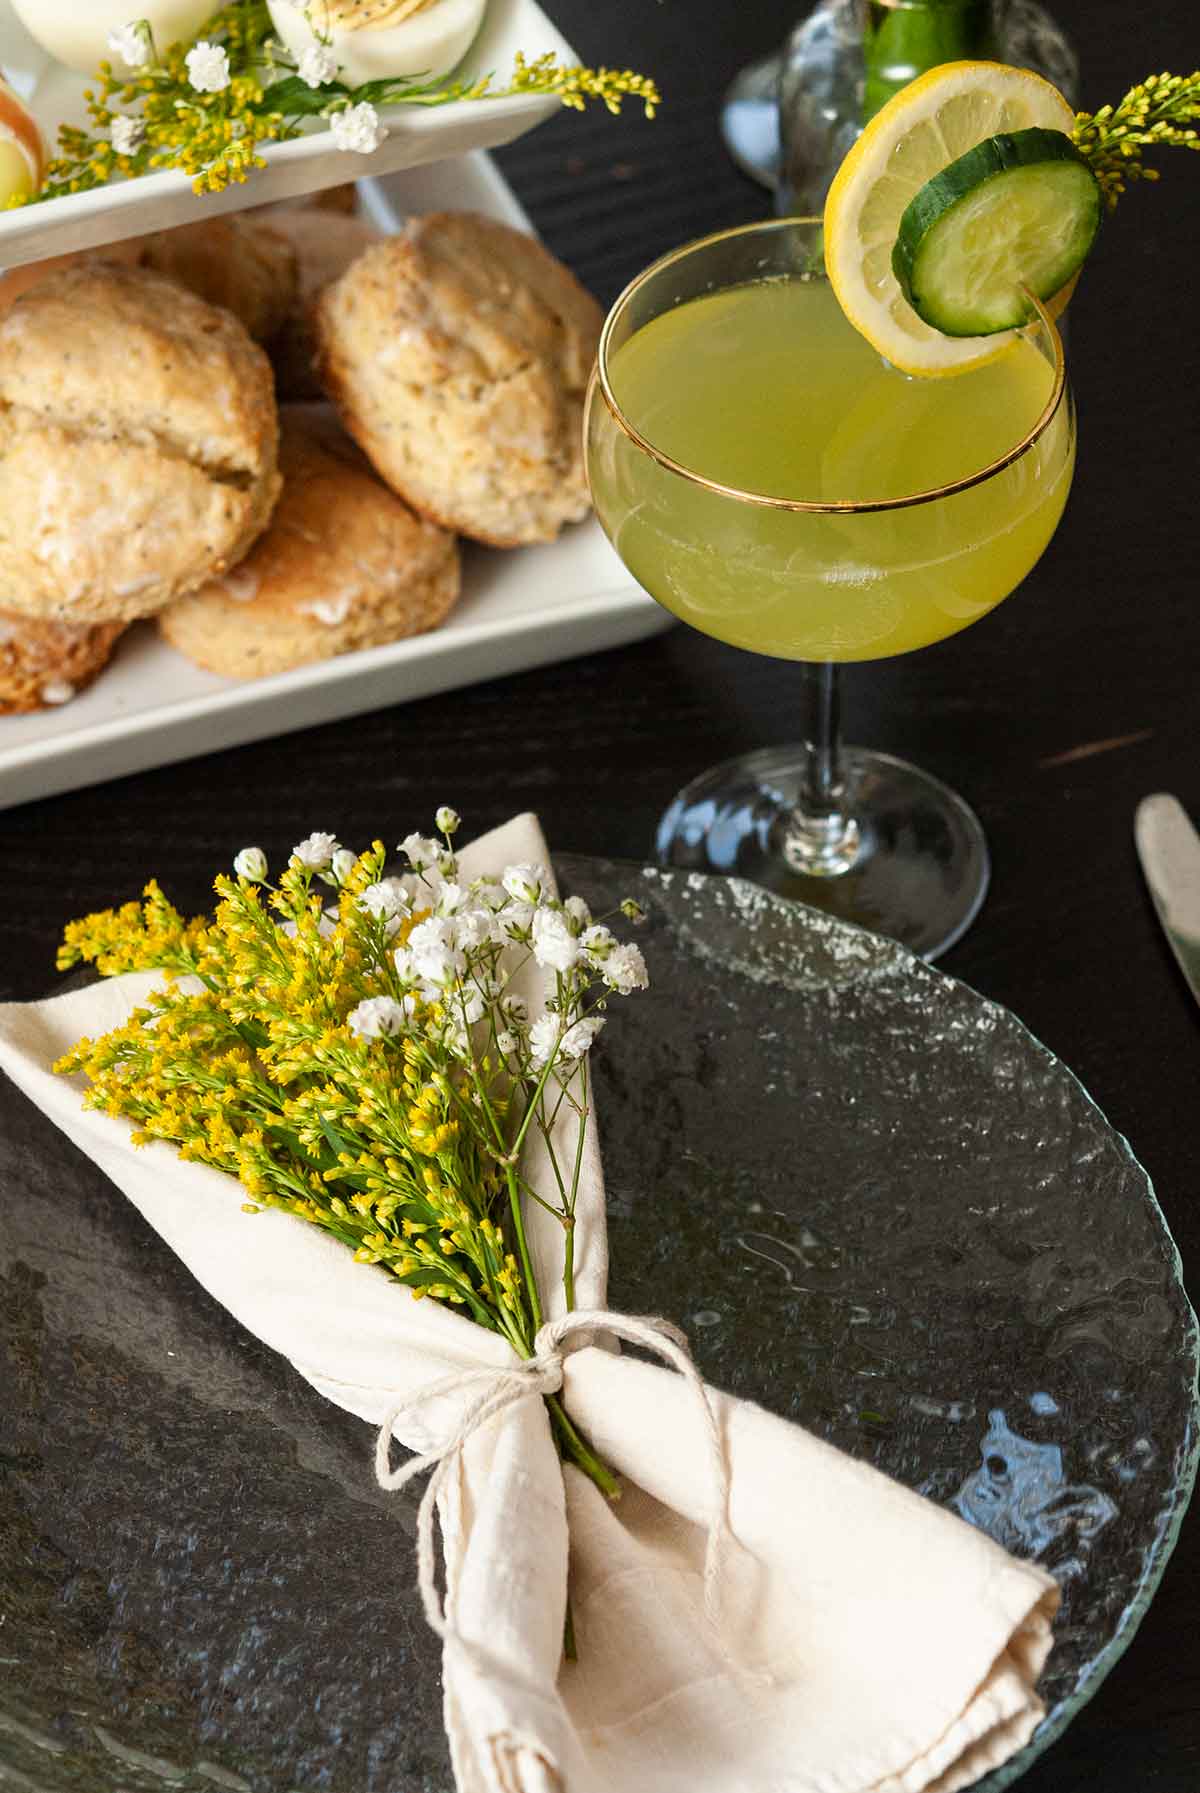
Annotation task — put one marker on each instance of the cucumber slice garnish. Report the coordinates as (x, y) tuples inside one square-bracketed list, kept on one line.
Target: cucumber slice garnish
[(1020, 209)]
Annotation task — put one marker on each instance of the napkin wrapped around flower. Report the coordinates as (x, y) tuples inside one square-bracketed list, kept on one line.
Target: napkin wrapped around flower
[(827, 1632)]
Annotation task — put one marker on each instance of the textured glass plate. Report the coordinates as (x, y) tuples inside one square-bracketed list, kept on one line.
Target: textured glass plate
[(875, 1202)]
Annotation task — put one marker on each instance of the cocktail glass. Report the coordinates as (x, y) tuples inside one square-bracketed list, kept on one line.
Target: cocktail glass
[(769, 479)]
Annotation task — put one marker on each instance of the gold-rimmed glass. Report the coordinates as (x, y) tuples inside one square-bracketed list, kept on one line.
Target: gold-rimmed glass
[(821, 576)]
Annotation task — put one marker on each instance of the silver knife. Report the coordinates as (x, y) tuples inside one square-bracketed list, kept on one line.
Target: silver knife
[(1169, 849)]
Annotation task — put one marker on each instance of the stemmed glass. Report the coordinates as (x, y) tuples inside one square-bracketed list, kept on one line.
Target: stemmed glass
[(767, 477)]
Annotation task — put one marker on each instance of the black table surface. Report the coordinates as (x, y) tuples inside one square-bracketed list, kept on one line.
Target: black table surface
[(1053, 716)]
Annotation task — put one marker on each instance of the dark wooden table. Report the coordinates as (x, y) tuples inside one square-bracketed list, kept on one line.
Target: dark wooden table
[(1053, 716)]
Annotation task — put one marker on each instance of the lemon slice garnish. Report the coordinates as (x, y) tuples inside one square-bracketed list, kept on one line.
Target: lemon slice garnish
[(928, 124)]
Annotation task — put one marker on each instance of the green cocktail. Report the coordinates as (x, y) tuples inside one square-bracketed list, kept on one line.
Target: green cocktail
[(766, 387), (773, 482)]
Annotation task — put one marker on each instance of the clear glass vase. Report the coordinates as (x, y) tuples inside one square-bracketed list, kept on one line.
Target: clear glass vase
[(789, 119)]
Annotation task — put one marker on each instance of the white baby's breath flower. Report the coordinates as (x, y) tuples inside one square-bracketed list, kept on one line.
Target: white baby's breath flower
[(420, 851), (342, 864), (251, 864), (390, 897), (316, 850), (512, 923), (470, 927), (317, 66), (624, 969), (131, 43), (597, 942), (506, 1043), (456, 1041), (447, 820), (489, 891), (577, 1039), (577, 913), (357, 128), (554, 945), (435, 958), (433, 931), (471, 1008), (543, 1038), (208, 67), (128, 135), (376, 1018), (450, 899), (524, 882)]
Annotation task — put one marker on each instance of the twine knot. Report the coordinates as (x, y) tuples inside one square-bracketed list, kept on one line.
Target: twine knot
[(532, 1379)]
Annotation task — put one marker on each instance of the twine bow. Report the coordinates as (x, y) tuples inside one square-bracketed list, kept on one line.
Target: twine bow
[(542, 1374)]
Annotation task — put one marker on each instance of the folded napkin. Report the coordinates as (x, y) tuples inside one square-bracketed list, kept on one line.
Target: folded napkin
[(758, 1613)]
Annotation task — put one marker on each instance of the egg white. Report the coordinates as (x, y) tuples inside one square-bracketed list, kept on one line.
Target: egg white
[(76, 31), (429, 44)]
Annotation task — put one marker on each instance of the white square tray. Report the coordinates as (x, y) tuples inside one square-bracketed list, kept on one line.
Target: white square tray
[(520, 608), (416, 135)]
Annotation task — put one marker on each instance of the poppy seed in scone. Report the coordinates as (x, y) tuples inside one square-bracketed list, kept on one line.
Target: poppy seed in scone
[(140, 443), (458, 354)]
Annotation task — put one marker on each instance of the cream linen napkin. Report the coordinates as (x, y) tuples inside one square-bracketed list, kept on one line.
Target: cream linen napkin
[(866, 1641)]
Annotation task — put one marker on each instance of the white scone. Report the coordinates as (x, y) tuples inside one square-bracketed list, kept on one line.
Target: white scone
[(458, 354), (140, 444), (344, 564)]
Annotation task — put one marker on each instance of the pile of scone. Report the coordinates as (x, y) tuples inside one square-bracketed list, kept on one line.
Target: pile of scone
[(267, 433)]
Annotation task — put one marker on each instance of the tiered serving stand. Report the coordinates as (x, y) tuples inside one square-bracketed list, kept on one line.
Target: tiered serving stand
[(519, 609)]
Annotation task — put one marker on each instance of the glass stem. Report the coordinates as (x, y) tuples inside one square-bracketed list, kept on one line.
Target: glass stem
[(819, 839)]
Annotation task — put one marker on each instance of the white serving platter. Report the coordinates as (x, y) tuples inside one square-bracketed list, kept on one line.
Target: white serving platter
[(520, 608), (416, 135)]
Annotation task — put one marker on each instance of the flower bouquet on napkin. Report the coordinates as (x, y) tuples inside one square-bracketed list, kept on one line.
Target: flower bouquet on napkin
[(403, 1062)]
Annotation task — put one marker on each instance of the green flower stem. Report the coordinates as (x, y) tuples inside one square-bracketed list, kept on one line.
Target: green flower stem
[(569, 1262), (518, 1220), (574, 1449)]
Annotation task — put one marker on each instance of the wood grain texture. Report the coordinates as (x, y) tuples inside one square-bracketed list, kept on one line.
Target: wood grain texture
[(1053, 716)]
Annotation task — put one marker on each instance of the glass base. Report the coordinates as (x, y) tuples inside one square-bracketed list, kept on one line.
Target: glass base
[(750, 120), (912, 864)]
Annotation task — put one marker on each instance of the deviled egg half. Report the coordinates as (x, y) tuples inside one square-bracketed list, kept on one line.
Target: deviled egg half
[(22, 156), (375, 39), (76, 31)]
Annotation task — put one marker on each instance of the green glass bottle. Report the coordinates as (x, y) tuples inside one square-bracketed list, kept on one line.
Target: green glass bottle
[(791, 119), (903, 38)]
